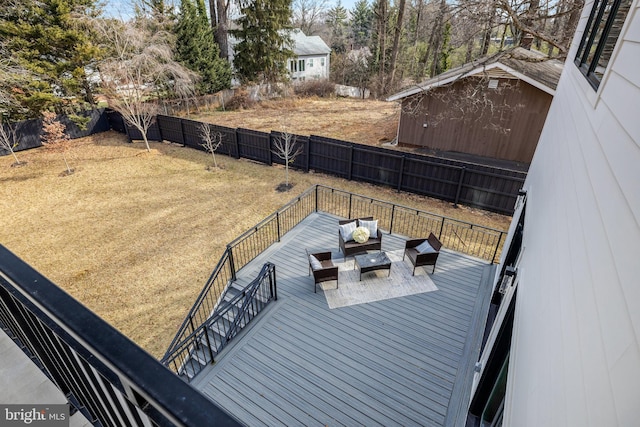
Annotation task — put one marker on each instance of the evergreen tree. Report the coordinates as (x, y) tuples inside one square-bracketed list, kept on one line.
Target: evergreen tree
[(337, 22), (196, 49), (263, 42), (54, 49), (361, 19)]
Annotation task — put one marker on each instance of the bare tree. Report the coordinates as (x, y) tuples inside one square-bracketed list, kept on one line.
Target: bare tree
[(211, 141), (138, 70), (9, 140), (287, 148), (308, 14), (54, 138)]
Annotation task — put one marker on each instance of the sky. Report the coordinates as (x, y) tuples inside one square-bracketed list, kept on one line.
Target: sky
[(123, 8)]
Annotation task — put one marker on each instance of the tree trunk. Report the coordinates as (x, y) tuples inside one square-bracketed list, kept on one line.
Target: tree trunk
[(396, 42), (382, 43), (220, 25), (435, 41)]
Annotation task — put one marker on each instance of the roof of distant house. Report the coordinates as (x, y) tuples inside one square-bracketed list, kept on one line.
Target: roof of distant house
[(530, 66), (308, 45)]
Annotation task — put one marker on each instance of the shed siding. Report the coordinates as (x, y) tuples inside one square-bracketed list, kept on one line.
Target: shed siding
[(575, 357), (508, 133)]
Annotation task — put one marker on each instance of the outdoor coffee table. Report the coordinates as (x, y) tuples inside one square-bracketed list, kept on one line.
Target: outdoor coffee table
[(372, 262)]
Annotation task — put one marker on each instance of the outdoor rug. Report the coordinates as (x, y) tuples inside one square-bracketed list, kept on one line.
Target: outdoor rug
[(375, 286)]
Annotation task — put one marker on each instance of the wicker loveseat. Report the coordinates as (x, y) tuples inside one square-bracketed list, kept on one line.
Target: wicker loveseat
[(351, 247)]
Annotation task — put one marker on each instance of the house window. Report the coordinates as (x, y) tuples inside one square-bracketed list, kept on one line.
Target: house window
[(310, 62), (322, 62), (301, 65), (600, 37), (293, 65)]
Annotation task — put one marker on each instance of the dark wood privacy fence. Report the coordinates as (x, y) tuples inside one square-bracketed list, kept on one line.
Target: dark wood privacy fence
[(470, 184), (28, 132)]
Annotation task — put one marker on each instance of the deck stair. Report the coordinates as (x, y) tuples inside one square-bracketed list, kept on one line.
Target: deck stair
[(238, 306)]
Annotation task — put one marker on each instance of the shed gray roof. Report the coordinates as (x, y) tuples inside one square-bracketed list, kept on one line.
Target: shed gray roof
[(532, 67), (304, 45)]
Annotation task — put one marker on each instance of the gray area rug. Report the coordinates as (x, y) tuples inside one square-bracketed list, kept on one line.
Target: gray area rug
[(375, 285)]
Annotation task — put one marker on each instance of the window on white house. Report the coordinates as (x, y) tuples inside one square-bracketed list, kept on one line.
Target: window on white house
[(293, 65), (322, 62), (310, 62), (301, 65), (600, 37)]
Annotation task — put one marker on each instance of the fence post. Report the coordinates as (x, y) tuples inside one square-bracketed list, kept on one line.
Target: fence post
[(495, 252), (350, 198), (462, 171), (350, 163), (278, 224), (159, 128), (184, 137), (307, 151), (316, 210), (401, 173), (441, 227), (237, 146)]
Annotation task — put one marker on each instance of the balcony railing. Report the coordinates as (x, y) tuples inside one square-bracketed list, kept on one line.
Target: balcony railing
[(471, 239), (103, 374)]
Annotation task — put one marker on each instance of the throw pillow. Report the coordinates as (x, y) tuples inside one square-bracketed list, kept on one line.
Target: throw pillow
[(425, 248), (361, 234), (315, 263), (346, 230), (372, 226)]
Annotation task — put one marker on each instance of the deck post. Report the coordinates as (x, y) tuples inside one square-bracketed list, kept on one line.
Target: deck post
[(495, 251), (231, 263), (441, 227), (393, 212), (350, 199), (278, 224)]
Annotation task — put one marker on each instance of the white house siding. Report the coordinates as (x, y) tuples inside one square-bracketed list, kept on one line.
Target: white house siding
[(575, 356), (317, 71)]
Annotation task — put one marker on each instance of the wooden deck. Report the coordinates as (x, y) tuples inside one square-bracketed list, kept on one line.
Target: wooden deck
[(402, 361)]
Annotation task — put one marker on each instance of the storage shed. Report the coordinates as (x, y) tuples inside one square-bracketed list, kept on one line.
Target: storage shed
[(493, 107)]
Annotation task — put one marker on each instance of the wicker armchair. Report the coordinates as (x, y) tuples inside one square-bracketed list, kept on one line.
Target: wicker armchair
[(421, 259), (324, 272)]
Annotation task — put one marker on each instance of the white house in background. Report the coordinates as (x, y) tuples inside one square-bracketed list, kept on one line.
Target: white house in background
[(312, 57), (563, 344)]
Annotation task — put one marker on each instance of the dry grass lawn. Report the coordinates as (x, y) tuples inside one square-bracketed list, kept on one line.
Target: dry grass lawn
[(366, 121), (134, 235)]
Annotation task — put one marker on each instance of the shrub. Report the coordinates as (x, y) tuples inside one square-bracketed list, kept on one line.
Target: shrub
[(239, 101), (322, 88)]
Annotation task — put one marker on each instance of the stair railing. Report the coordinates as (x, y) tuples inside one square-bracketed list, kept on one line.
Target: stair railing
[(245, 307)]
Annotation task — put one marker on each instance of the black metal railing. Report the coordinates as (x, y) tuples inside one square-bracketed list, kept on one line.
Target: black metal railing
[(196, 350), (111, 380), (460, 236), (471, 239)]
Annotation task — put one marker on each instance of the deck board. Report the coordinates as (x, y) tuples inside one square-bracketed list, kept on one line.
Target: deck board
[(391, 362)]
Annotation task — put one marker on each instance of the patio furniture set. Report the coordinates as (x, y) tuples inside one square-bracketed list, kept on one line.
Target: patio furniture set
[(358, 236)]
